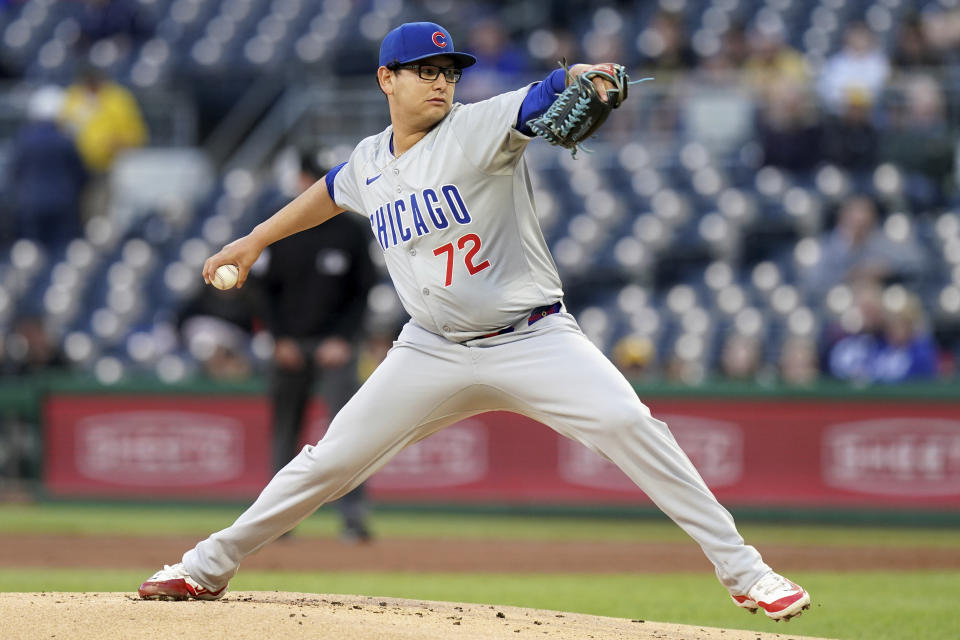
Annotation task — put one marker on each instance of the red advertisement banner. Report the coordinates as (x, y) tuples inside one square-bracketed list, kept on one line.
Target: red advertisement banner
[(161, 446), (753, 452)]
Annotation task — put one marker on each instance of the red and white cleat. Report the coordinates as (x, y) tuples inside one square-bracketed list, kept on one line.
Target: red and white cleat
[(174, 583), (779, 598)]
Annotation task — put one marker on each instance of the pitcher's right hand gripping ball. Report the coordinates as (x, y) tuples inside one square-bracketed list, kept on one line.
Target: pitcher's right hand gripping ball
[(579, 111)]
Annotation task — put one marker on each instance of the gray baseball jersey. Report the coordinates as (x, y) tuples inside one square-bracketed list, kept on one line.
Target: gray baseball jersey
[(462, 245)]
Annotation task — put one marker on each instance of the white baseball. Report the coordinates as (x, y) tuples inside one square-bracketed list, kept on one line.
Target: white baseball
[(225, 277)]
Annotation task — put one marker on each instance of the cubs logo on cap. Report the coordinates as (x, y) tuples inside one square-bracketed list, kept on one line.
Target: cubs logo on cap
[(414, 41)]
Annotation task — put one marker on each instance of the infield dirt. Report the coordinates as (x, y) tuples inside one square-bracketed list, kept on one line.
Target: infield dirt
[(453, 556), (255, 615)]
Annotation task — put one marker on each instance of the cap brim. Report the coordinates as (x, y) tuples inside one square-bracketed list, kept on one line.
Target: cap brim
[(460, 60)]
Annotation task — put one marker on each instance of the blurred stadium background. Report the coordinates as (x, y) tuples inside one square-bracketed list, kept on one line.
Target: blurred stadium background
[(697, 238)]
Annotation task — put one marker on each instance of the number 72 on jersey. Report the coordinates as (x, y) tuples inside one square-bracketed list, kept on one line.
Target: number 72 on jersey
[(471, 239)]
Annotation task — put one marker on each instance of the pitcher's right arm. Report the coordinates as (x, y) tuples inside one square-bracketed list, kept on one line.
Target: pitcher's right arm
[(312, 207)]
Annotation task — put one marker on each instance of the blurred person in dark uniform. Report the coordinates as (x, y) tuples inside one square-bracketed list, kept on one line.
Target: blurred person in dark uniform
[(315, 285), (47, 176)]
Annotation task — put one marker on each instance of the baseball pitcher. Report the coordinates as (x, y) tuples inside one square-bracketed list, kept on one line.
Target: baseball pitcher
[(447, 194)]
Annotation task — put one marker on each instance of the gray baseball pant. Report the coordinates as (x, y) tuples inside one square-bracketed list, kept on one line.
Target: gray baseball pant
[(548, 371)]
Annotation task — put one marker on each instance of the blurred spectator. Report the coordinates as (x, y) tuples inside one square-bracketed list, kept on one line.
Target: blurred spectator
[(500, 64), (685, 370), (216, 328), (907, 350), (741, 357), (850, 139), (735, 45), (799, 361), (315, 285), (222, 348), (665, 47), (717, 68), (605, 44), (30, 348), (561, 44), (772, 61), (865, 314), (913, 48), (716, 112), (105, 119), (860, 67), (788, 127), (635, 356), (942, 29), (46, 175), (901, 350), (857, 249), (857, 327), (608, 45), (664, 51), (119, 20), (920, 142)]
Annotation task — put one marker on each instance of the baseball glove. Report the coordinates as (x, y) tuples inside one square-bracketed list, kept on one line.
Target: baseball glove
[(579, 111)]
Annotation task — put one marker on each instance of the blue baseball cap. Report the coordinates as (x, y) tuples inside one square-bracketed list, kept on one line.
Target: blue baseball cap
[(414, 41)]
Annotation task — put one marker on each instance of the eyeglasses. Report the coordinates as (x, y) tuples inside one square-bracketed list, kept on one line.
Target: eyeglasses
[(431, 72)]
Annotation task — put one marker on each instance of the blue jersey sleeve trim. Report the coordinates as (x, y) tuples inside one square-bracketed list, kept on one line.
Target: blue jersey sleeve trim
[(331, 175), (539, 99)]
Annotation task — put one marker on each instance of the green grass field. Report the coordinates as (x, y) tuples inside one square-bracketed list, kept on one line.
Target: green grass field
[(870, 605)]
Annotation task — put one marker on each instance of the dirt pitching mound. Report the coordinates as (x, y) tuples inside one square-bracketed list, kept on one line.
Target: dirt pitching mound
[(256, 615)]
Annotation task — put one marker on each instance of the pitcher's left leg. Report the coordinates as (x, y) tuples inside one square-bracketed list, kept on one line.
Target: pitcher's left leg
[(558, 377)]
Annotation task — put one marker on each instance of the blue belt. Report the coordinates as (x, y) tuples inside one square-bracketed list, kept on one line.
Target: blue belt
[(536, 314)]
